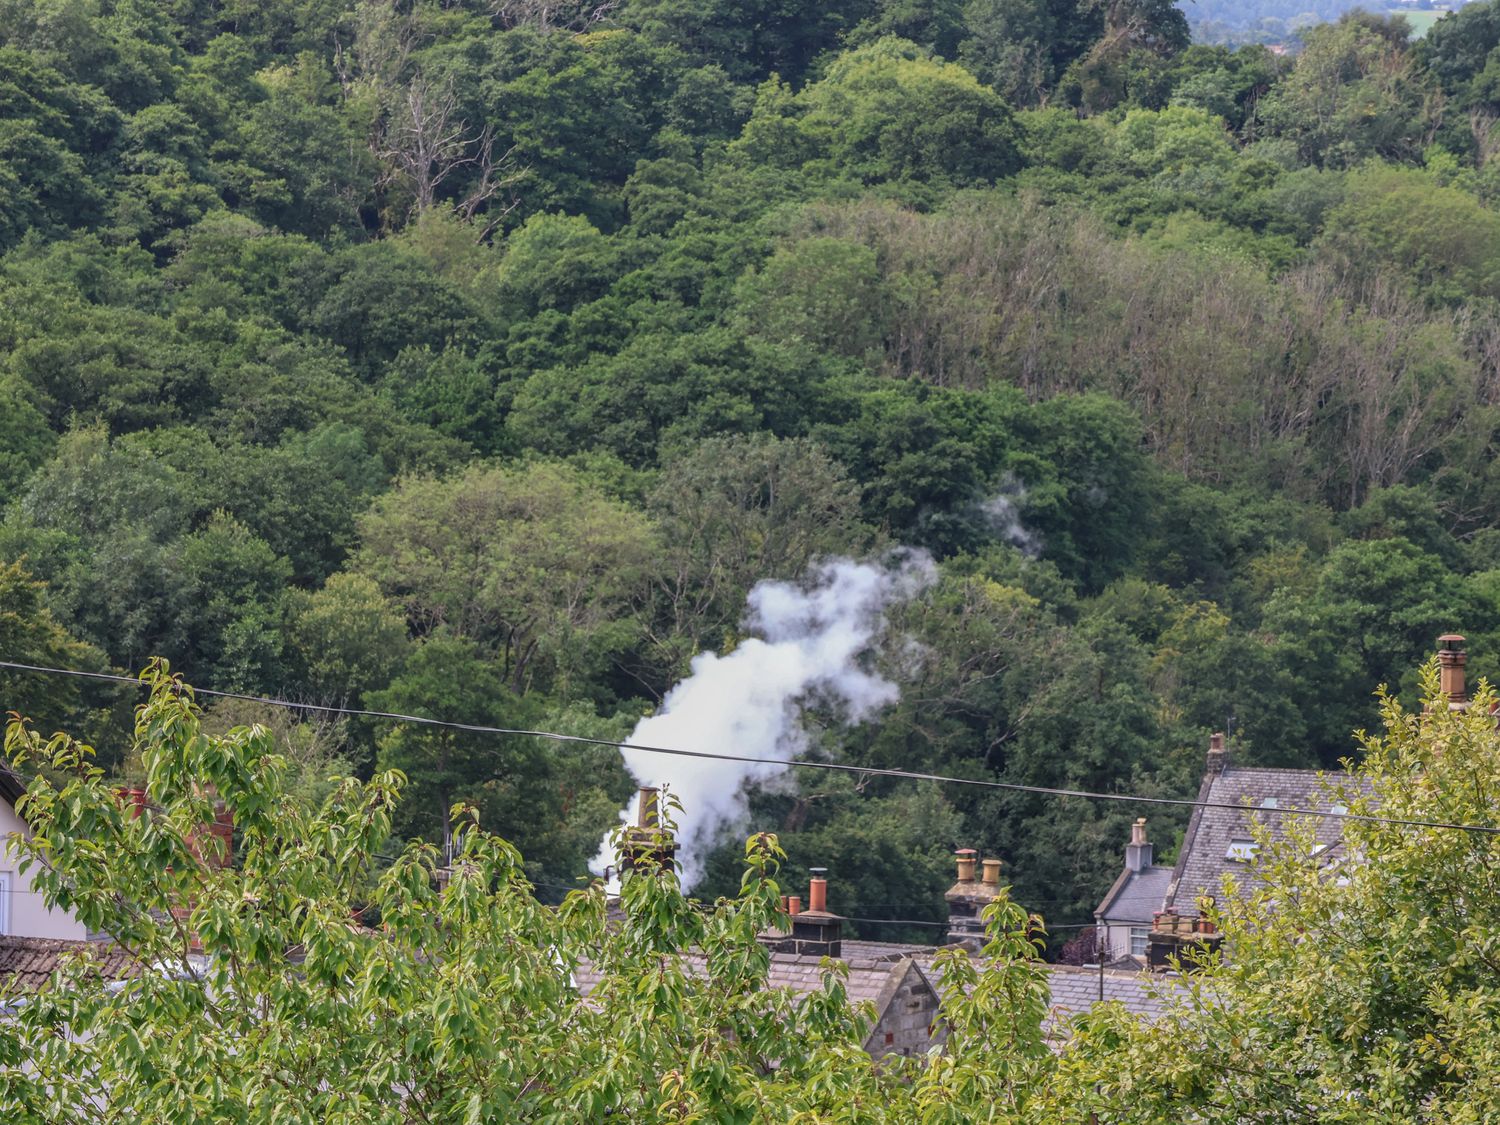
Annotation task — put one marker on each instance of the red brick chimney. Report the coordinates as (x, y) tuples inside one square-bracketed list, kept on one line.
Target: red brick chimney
[(1451, 661)]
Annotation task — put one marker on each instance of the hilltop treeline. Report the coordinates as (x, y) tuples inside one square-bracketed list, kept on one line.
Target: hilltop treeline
[(475, 359)]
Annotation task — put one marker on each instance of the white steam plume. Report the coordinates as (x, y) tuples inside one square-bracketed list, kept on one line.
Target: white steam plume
[(747, 702), (1003, 513)]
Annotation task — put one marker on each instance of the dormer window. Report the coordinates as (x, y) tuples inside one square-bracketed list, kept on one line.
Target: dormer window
[(1241, 850)]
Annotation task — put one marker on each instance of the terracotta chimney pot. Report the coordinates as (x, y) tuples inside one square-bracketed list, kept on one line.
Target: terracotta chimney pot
[(1451, 661), (966, 864), (794, 905), (992, 872), (1138, 831), (817, 890)]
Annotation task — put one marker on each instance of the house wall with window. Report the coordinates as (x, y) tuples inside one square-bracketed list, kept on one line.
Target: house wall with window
[(22, 911)]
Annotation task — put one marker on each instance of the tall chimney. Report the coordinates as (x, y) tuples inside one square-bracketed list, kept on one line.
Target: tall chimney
[(1451, 661), (1140, 853), (1218, 754), (646, 847), (967, 899)]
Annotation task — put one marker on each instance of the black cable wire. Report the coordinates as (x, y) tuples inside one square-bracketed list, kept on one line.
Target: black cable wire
[(866, 771)]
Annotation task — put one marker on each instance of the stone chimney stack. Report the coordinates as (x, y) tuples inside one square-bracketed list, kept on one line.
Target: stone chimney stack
[(1140, 853), (1218, 754), (1451, 661), (967, 899), (646, 848)]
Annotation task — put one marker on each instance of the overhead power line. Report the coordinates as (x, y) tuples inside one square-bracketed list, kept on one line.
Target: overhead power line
[(839, 767)]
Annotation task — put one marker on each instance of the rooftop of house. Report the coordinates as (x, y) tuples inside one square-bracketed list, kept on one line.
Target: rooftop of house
[(1137, 894), (28, 963), (1220, 838), (868, 977), (875, 969), (12, 785), (1077, 988)]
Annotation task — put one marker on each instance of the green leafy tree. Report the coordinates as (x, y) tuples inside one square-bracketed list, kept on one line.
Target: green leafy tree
[(1443, 238), (101, 523), (1353, 93), (232, 584), (534, 563), (464, 1003), (889, 112), (732, 512), (344, 639), (1357, 990), (824, 291), (30, 634)]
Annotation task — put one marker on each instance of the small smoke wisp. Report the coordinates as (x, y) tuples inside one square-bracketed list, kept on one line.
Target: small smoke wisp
[(808, 642), (1003, 514)]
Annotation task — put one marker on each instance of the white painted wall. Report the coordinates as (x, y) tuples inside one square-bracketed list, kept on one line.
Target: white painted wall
[(1117, 940), (23, 913)]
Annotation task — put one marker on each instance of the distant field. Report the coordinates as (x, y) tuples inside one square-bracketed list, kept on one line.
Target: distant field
[(1421, 22)]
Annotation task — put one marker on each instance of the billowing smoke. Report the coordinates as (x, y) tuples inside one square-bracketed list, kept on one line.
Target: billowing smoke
[(1003, 513), (808, 644)]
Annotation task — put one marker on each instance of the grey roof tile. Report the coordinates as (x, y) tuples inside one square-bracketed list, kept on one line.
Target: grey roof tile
[(1136, 896), (1204, 859)]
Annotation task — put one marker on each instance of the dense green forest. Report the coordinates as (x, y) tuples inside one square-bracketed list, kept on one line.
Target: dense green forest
[(476, 358)]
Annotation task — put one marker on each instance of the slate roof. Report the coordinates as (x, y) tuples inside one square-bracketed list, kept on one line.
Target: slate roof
[(1136, 896), (1074, 988), (1077, 988), (869, 978), (27, 963), (1204, 858)]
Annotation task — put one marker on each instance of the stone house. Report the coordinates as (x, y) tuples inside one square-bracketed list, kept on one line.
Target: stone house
[(1236, 807)]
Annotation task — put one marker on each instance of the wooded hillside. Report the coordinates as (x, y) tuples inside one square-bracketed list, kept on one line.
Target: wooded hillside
[(475, 359)]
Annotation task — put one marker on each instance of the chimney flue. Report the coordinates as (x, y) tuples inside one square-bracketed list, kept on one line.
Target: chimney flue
[(649, 813), (1138, 831), (645, 846), (966, 864), (812, 932), (817, 889), (1451, 661), (968, 897)]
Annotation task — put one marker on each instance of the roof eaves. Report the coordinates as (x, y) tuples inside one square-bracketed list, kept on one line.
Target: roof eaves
[(12, 785)]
